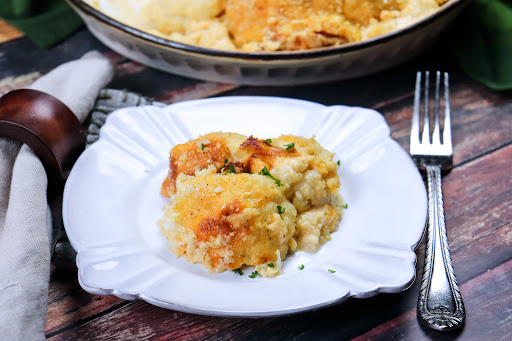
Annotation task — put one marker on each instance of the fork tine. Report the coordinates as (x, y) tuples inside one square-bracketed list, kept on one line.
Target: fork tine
[(415, 124), (426, 120), (423, 151), (436, 138), (447, 131)]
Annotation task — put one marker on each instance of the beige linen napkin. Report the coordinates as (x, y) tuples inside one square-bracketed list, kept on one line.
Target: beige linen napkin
[(25, 218)]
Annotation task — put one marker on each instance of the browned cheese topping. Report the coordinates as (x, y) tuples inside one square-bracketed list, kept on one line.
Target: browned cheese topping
[(238, 200), (270, 25)]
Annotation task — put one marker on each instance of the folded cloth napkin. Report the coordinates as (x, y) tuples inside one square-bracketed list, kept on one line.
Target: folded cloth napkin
[(25, 218), (482, 42), (45, 22)]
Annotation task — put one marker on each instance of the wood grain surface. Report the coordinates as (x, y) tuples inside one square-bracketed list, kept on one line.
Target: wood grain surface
[(478, 205), (8, 32)]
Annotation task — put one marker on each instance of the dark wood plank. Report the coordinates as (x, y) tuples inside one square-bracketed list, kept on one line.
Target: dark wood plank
[(18, 69), (161, 86), (480, 189), (481, 119), (488, 313), (8, 32), (196, 91), (22, 56), (69, 304)]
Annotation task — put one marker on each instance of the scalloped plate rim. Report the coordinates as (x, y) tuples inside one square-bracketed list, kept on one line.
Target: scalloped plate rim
[(225, 313), (212, 312)]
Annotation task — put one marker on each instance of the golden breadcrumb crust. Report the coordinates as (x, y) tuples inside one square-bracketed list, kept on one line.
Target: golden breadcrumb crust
[(269, 25), (238, 200)]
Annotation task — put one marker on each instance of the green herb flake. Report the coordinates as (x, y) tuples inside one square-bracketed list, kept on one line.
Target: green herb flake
[(270, 265), (254, 274), (224, 165), (339, 162), (231, 170), (289, 146), (268, 141), (345, 206), (265, 171), (202, 146), (238, 271), (255, 156), (280, 209), (331, 271), (301, 267)]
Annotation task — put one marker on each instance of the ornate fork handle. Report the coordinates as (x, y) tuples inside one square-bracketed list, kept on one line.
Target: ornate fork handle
[(440, 303)]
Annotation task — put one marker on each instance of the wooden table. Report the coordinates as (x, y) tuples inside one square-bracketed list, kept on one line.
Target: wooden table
[(478, 202)]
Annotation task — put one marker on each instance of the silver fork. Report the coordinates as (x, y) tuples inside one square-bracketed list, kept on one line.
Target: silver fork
[(440, 303)]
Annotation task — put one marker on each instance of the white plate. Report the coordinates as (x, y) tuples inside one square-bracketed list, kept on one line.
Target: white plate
[(112, 202)]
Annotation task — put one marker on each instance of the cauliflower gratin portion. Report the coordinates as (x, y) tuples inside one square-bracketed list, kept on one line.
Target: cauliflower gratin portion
[(267, 25), (238, 200)]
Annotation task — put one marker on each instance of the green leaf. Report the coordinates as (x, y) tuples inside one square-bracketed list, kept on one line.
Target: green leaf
[(301, 267), (238, 271), (270, 265)]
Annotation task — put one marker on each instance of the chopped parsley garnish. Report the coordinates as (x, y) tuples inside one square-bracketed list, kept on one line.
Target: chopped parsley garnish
[(268, 141), (270, 265), (289, 146), (339, 162), (255, 156), (265, 171), (331, 271), (202, 146), (231, 170), (224, 165), (301, 267), (345, 206), (280, 209), (238, 271), (254, 274)]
